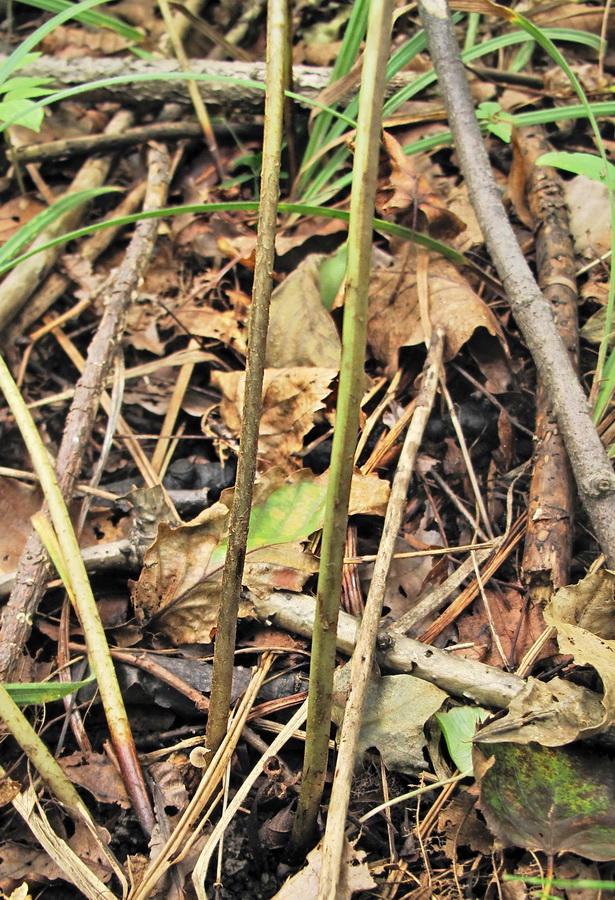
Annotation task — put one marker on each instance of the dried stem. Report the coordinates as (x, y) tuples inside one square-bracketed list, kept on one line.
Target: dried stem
[(277, 25), (364, 652)]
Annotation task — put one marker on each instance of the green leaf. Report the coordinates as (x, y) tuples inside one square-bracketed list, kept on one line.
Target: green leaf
[(23, 82), (289, 513), (553, 799), (581, 164), (331, 274), (30, 115), (21, 55), (43, 691), (459, 727)]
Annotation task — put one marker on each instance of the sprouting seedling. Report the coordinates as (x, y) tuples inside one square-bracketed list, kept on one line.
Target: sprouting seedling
[(498, 121)]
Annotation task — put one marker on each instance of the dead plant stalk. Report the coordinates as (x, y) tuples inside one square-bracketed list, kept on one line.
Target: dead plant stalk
[(364, 652), (277, 26)]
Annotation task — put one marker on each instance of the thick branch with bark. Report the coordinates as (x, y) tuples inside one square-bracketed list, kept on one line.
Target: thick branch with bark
[(592, 469), (233, 92)]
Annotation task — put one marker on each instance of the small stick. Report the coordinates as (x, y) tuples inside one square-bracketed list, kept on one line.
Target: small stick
[(363, 656)]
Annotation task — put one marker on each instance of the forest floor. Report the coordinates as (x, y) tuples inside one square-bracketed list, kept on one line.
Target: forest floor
[(128, 344)]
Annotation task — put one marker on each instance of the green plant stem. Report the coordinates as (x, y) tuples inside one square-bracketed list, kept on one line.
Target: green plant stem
[(98, 649), (352, 380), (38, 754), (277, 26)]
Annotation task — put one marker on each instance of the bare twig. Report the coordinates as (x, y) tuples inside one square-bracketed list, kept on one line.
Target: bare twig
[(550, 521), (33, 573), (308, 81), (105, 143), (592, 469), (25, 278), (364, 652)]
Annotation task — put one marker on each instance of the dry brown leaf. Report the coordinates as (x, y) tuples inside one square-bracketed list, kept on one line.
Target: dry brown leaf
[(458, 202), (178, 590), (590, 222), (68, 42), (96, 773), (508, 608), (291, 399), (16, 213), (67, 121), (406, 577), (583, 614), (301, 331), (394, 316), (203, 321), (580, 16), (411, 191), (552, 714), (17, 503)]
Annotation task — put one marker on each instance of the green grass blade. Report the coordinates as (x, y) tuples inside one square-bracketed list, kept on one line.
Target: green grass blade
[(36, 693), (301, 209), (354, 34), (320, 188)]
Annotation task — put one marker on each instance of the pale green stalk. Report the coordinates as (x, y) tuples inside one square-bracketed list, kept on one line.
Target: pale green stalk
[(98, 649), (39, 755), (352, 382)]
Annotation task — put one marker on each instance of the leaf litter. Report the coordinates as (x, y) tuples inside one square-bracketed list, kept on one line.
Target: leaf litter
[(542, 767)]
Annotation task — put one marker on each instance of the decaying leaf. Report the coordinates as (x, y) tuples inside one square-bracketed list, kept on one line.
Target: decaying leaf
[(395, 712), (291, 399), (408, 195), (584, 617), (201, 319), (301, 331), (179, 586), (16, 213), (551, 714), (394, 315), (354, 876), (548, 799), (590, 221), (96, 773)]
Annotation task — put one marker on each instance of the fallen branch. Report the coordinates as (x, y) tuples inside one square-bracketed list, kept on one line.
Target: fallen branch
[(233, 93), (550, 518), (592, 469), (26, 277)]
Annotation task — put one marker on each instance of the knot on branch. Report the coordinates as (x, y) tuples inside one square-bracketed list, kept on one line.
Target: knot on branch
[(601, 485)]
